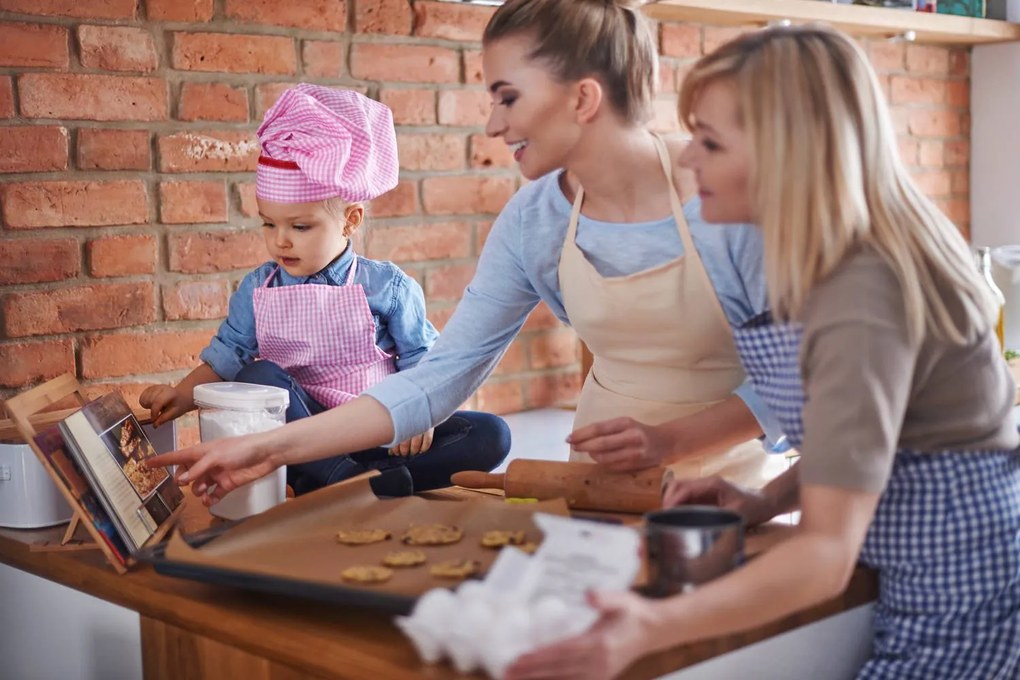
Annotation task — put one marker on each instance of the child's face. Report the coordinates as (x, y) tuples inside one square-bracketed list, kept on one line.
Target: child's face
[(531, 110), (303, 237), (719, 155)]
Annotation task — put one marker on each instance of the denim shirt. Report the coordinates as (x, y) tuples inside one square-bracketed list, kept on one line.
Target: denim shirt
[(396, 301), (519, 267)]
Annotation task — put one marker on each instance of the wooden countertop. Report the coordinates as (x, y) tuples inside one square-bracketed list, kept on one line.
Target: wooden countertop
[(328, 641)]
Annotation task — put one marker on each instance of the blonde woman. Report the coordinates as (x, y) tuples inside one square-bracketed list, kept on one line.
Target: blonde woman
[(882, 364), (609, 236)]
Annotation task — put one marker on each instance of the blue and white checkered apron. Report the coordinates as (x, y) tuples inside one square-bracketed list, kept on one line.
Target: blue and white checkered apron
[(945, 540)]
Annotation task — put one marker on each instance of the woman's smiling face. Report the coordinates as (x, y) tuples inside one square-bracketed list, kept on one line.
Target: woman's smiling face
[(531, 110), (720, 156)]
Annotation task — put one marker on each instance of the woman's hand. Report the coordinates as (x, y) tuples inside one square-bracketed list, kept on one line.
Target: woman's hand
[(754, 505), (624, 632), (415, 445), (218, 467), (623, 444), (165, 403)]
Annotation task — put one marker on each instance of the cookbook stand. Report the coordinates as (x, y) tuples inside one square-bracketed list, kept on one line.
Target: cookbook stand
[(21, 409)]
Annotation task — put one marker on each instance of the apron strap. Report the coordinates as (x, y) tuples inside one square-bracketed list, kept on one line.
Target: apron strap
[(265, 284), (354, 268)]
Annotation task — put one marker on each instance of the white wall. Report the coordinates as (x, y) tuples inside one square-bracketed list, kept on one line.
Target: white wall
[(995, 145)]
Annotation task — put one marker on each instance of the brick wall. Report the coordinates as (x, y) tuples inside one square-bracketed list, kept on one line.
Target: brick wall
[(126, 153)]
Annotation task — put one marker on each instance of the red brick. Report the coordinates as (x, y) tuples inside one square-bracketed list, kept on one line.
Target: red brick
[(399, 201), (464, 107), (448, 282), (907, 90), (405, 63), (37, 260), (715, 36), (909, 150), (958, 93), (87, 9), (961, 181), (28, 205), (25, 363), (92, 97), (959, 62), (513, 361), (927, 59), (266, 95), (439, 314), (554, 349), (901, 119), (122, 255), (541, 318), (931, 154), (665, 116), (451, 21), (234, 53), (473, 72), (213, 101), (33, 149), (490, 152), (81, 308), (465, 195), (203, 253), (393, 17), (314, 15), (934, 183), (247, 204), (420, 242), (410, 107), (431, 152), (113, 149), (36, 45), (192, 202), (667, 78), (131, 391), (120, 354), (6, 97), (957, 152), (956, 209), (208, 151), (482, 231), (935, 123), (179, 10), (323, 58), (680, 40), (887, 56), (191, 300), (561, 389), (501, 397), (117, 48)]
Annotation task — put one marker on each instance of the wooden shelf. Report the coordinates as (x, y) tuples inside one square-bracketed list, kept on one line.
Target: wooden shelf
[(857, 20)]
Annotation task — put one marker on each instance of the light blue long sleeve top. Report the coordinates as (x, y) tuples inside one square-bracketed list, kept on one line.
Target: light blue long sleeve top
[(395, 299), (518, 268)]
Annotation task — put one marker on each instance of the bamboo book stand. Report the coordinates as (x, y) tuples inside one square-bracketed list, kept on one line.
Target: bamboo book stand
[(22, 408)]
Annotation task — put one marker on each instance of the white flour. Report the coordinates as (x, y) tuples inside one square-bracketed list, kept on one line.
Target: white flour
[(218, 423)]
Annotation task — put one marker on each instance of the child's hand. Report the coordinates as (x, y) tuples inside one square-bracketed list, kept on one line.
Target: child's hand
[(415, 445), (165, 403)]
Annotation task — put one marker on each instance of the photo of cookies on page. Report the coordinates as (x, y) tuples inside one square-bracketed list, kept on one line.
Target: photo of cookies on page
[(130, 448)]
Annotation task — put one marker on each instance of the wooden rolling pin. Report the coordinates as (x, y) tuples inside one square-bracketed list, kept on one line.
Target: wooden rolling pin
[(585, 486)]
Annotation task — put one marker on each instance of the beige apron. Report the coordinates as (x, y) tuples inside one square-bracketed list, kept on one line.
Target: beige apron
[(662, 345)]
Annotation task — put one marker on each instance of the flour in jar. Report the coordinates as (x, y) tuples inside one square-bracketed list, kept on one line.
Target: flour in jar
[(218, 423)]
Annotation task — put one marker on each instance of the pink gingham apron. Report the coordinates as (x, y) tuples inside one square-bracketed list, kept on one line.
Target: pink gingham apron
[(323, 336)]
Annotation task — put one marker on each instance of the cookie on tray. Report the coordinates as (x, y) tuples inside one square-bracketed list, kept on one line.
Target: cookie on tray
[(455, 568), (361, 536), (432, 534), (497, 538), (404, 558), (367, 573)]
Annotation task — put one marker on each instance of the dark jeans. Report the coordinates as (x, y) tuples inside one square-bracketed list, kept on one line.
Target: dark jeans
[(467, 440)]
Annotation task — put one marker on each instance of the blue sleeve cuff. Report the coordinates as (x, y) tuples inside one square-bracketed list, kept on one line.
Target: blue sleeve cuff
[(223, 362), (407, 404), (774, 436)]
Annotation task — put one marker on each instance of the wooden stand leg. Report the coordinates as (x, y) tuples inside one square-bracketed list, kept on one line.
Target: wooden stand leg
[(71, 528)]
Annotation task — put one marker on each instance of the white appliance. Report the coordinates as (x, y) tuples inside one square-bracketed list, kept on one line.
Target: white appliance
[(1006, 272)]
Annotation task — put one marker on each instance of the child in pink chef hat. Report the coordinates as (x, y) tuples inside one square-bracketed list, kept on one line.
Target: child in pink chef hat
[(317, 319)]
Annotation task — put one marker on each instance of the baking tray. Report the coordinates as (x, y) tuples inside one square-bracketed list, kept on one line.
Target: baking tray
[(292, 550)]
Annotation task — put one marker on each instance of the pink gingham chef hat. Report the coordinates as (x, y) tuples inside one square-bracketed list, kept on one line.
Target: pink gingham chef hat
[(319, 142)]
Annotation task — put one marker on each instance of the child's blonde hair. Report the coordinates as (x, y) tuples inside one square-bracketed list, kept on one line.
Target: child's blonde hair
[(826, 176), (606, 39)]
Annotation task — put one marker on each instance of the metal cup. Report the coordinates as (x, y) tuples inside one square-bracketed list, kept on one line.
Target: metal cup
[(690, 545)]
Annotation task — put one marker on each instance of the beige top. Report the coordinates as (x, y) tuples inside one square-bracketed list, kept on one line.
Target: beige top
[(871, 391)]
